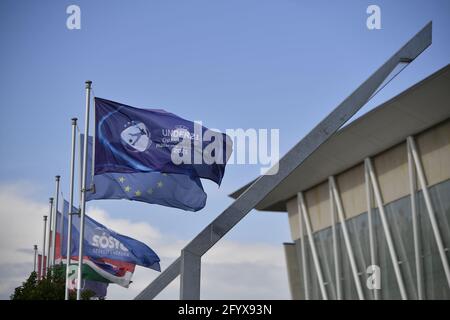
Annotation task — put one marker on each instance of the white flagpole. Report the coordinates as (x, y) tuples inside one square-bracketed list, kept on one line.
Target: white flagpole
[(55, 217), (69, 218), (35, 256), (83, 187), (50, 233), (43, 248)]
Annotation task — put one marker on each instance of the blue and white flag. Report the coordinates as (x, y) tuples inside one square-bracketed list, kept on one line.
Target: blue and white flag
[(166, 189), (103, 243), (130, 140)]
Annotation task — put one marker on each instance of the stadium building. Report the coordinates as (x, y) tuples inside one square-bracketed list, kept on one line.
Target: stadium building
[(370, 208)]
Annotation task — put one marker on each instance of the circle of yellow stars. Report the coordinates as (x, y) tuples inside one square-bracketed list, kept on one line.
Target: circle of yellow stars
[(138, 192)]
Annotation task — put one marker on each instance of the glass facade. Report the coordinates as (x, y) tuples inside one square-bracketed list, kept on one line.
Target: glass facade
[(398, 214)]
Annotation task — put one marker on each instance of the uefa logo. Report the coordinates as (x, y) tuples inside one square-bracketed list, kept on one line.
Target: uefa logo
[(136, 137)]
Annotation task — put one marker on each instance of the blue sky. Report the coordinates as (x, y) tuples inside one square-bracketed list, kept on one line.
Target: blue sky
[(231, 64)]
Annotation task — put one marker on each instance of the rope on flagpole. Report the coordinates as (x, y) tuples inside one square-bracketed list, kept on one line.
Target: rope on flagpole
[(92, 186)]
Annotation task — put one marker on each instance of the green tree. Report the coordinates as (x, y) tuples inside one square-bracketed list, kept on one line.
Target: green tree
[(51, 287)]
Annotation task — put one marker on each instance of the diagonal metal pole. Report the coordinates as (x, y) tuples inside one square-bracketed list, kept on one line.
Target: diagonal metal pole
[(305, 219), (430, 210), (385, 225), (347, 242), (162, 281), (209, 236)]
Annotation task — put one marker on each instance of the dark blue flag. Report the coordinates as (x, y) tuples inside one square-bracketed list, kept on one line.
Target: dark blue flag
[(103, 243), (170, 190), (130, 140)]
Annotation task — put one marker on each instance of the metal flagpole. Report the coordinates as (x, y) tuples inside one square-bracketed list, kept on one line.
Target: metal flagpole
[(69, 224), (49, 233), (43, 247), (83, 186), (35, 255), (55, 217)]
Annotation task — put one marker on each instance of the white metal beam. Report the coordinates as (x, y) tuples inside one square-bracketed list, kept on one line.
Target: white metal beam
[(385, 225), (347, 241), (430, 210), (305, 216)]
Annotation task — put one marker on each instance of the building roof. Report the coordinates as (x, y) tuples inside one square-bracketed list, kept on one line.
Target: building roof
[(416, 109)]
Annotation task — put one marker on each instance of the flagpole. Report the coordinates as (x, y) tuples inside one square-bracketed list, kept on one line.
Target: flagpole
[(69, 224), (55, 218), (49, 233), (83, 187), (35, 256), (43, 247)]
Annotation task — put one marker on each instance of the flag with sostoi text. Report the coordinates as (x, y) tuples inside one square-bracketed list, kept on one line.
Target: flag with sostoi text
[(101, 242)]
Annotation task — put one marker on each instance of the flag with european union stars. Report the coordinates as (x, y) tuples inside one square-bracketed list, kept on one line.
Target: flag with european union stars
[(130, 140), (170, 190), (103, 243)]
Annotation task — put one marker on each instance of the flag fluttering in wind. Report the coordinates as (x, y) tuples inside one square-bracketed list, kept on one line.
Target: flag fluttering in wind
[(170, 190), (103, 243), (109, 257), (130, 140), (94, 270), (102, 270)]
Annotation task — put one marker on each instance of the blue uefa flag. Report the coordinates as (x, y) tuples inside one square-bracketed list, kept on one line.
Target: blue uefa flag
[(166, 189), (101, 242), (130, 140)]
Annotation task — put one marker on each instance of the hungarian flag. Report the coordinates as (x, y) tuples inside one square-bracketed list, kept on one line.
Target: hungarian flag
[(102, 270)]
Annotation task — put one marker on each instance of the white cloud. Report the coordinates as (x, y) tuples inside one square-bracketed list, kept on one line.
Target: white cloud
[(231, 270), (20, 222)]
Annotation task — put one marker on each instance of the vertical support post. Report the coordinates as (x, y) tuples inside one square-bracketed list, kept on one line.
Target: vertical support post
[(303, 252), (312, 245), (55, 218), (430, 210), (69, 218), (43, 247), (35, 247), (190, 275), (387, 232), (347, 242), (337, 272), (369, 200), (83, 188), (50, 233), (415, 225)]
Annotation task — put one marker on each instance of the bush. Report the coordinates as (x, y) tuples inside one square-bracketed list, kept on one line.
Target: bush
[(51, 287)]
